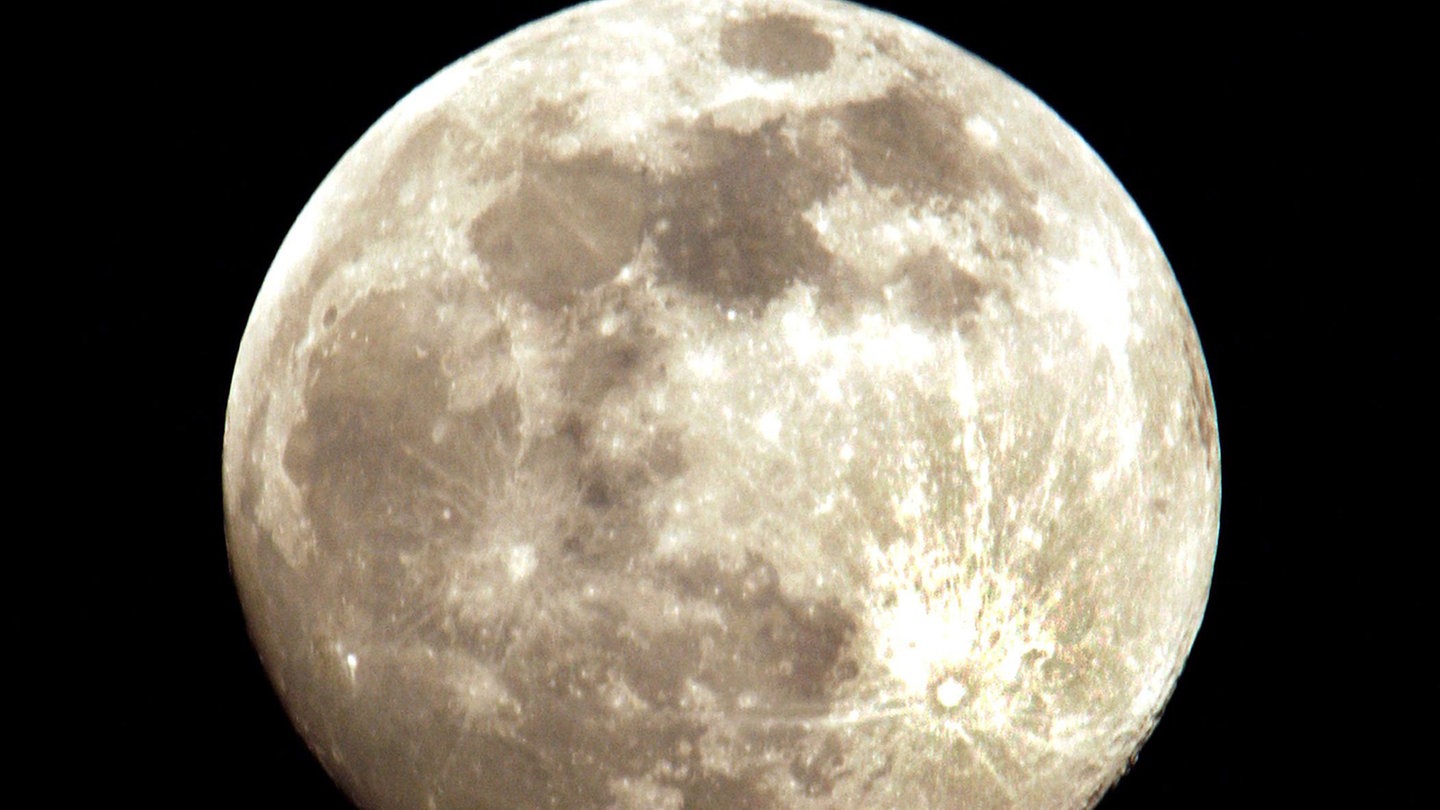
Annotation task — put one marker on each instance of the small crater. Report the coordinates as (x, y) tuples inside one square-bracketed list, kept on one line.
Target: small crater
[(331, 313), (780, 45)]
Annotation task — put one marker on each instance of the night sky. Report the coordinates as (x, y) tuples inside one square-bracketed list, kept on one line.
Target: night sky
[(1279, 162)]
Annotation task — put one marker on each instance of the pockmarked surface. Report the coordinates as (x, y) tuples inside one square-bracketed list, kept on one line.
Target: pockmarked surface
[(722, 405)]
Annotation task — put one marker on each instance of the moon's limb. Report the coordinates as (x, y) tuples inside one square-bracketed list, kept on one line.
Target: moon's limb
[(644, 415)]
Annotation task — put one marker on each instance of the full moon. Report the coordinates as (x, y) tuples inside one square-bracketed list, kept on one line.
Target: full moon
[(721, 406)]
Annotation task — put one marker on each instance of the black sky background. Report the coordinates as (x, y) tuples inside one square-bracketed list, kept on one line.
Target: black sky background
[(1279, 161)]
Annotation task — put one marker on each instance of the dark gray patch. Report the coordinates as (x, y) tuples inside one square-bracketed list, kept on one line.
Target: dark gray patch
[(909, 141), (611, 344), (331, 313), (611, 486), (779, 44), (660, 666), (566, 227), (366, 398), (734, 229), (716, 791), (596, 494), (610, 534), (659, 459), (790, 652), (938, 291), (373, 480), (598, 364), (554, 118), (806, 640), (901, 140)]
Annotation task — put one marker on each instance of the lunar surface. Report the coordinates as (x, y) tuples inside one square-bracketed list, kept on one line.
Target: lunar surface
[(721, 406)]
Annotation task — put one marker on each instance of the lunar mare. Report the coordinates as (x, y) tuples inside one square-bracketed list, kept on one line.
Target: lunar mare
[(721, 405)]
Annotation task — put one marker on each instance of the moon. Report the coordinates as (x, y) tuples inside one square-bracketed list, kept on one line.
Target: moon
[(759, 404)]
